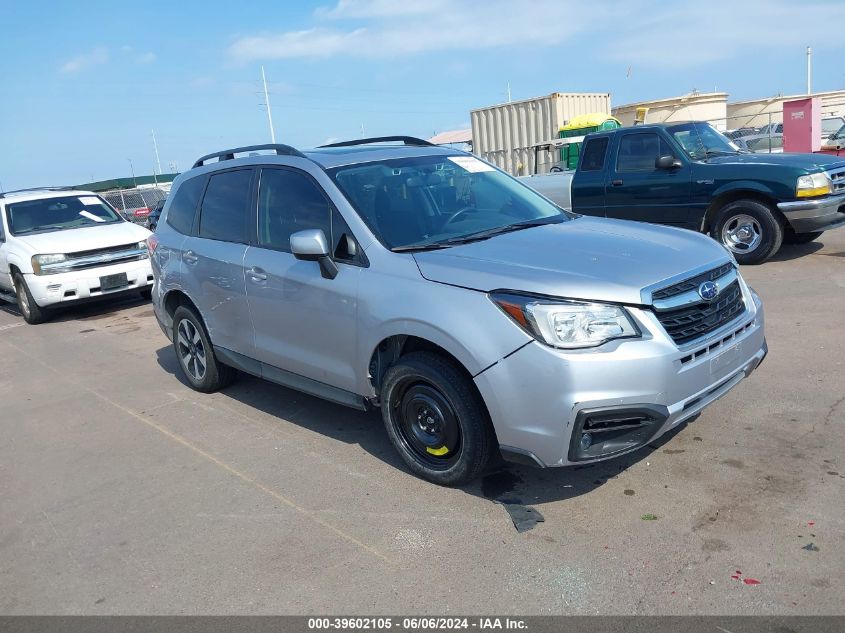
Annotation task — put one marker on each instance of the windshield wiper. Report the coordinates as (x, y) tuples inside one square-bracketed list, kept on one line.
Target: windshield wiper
[(423, 246), (508, 228), (39, 229)]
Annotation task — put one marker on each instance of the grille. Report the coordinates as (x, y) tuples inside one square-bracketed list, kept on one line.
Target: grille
[(105, 251), (691, 322), (838, 180), (692, 283)]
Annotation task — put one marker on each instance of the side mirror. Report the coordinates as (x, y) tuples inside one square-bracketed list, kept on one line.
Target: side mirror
[(311, 245), (667, 162)]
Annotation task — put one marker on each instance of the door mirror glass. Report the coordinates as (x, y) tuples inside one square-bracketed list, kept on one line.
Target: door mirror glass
[(310, 244), (667, 162)]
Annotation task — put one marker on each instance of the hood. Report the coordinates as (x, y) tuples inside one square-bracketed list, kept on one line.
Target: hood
[(587, 258), (85, 238), (810, 162)]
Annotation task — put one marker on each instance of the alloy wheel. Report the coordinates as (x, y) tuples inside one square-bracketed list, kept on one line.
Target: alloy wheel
[(741, 233), (192, 352)]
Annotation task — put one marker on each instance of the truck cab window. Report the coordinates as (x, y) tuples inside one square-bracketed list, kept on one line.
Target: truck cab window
[(594, 152)]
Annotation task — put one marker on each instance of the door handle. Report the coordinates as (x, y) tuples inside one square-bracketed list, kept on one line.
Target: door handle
[(257, 274), (189, 257), (616, 183)]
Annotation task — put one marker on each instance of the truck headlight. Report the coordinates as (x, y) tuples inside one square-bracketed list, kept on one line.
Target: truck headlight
[(567, 324), (48, 264), (143, 245), (813, 185)]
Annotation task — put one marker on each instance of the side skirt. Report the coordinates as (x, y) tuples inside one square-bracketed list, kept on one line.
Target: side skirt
[(290, 379)]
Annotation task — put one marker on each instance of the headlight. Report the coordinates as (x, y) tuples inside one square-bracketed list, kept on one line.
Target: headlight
[(143, 245), (567, 324), (813, 185), (48, 264)]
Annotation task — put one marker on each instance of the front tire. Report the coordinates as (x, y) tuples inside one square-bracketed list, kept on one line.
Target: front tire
[(750, 230), (195, 354), (436, 419), (32, 313)]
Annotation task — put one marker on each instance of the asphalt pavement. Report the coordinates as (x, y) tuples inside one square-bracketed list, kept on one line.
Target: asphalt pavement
[(122, 491)]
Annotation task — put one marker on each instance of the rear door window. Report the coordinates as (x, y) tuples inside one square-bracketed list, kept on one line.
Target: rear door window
[(224, 214), (594, 152), (184, 205)]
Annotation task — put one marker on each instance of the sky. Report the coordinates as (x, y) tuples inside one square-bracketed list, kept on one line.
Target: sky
[(85, 83)]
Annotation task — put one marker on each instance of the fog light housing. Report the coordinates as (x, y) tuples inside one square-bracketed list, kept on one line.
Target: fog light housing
[(608, 431)]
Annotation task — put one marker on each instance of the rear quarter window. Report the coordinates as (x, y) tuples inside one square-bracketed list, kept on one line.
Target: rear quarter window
[(225, 207), (183, 208), (595, 149)]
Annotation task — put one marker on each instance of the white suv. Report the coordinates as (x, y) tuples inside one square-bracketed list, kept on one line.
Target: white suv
[(58, 246)]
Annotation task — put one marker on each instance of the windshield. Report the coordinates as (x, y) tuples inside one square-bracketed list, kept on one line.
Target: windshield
[(831, 126), (700, 140), (58, 214), (437, 201)]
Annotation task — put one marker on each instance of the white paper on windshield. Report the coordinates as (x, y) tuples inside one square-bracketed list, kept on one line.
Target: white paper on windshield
[(91, 216), (86, 200), (472, 165)]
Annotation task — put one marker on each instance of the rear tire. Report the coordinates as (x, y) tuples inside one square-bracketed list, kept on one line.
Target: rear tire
[(195, 354), (436, 419), (752, 231), (790, 237), (32, 313)]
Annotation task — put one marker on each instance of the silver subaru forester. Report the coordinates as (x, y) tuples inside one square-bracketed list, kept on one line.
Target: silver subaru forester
[(480, 318)]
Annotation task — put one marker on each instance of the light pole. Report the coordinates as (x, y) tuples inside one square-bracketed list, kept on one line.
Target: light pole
[(132, 167)]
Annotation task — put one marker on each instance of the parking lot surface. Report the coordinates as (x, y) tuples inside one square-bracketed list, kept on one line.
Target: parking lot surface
[(124, 492)]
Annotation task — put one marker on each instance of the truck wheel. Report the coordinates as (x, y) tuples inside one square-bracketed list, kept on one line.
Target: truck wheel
[(436, 420), (750, 230), (32, 313), (196, 355), (791, 237)]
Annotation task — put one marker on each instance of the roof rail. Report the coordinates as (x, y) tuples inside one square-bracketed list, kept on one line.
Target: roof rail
[(229, 154), (3, 194), (407, 140)]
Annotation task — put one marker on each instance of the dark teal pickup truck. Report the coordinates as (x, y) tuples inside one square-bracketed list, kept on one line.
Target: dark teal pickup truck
[(691, 176)]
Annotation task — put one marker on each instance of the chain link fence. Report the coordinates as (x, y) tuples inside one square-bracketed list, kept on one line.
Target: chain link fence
[(134, 204)]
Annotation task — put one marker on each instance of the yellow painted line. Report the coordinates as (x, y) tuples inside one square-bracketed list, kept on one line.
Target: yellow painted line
[(217, 461)]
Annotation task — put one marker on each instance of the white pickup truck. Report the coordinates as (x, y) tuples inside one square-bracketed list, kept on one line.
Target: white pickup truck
[(59, 246)]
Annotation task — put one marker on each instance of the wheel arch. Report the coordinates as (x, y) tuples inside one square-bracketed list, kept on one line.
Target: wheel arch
[(391, 348), (724, 198), (172, 300)]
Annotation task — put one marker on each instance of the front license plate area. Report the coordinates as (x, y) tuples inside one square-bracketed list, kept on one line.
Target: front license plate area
[(726, 360), (113, 282)]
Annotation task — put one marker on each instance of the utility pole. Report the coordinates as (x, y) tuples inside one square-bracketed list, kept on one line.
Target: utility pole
[(809, 70), (132, 167), (509, 92), (267, 103), (155, 147)]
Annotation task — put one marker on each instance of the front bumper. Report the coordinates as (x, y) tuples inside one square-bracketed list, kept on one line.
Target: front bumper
[(539, 397), (819, 214), (61, 288)]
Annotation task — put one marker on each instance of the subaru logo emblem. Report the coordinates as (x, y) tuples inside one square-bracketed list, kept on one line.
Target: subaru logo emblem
[(708, 290)]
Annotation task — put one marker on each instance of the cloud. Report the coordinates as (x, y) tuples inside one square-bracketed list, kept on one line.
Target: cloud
[(405, 28), (640, 32), (699, 33), (95, 57), (146, 58)]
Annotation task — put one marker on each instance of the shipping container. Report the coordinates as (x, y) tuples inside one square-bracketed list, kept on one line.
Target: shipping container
[(505, 134)]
